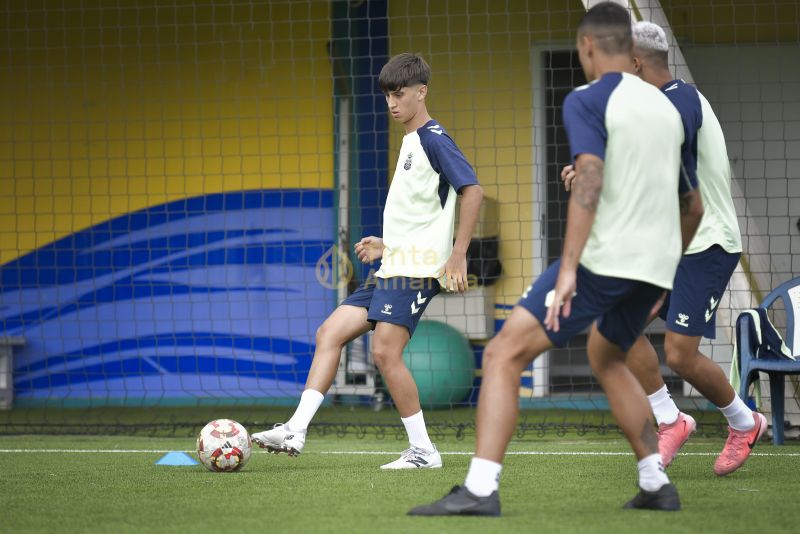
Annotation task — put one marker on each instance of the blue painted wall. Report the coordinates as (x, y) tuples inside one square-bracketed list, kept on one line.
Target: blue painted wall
[(212, 297)]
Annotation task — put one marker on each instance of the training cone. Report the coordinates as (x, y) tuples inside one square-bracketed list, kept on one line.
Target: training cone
[(177, 458)]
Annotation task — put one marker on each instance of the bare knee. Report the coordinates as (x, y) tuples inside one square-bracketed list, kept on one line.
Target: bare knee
[(329, 336), (501, 354), (679, 360), (600, 365), (385, 356)]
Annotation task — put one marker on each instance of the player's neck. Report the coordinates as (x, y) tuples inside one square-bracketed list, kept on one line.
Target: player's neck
[(616, 63), (660, 78), (417, 121)]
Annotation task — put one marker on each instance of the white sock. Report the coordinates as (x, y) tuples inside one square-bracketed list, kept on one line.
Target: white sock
[(310, 402), (417, 433), (483, 477), (663, 406), (651, 473), (739, 416)]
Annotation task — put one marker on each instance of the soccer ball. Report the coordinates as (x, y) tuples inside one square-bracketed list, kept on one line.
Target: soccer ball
[(223, 445)]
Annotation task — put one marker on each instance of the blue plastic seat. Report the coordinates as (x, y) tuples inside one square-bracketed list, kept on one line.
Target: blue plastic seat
[(776, 368)]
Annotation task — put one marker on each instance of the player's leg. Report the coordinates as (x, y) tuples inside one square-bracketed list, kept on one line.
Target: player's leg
[(699, 283), (745, 427), (674, 427), (707, 377), (521, 339), (626, 397), (642, 360), (387, 350), (628, 403), (346, 323), (609, 341), (396, 308)]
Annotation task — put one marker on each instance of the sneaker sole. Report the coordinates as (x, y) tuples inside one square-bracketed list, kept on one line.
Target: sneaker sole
[(293, 453), (409, 468), (670, 506), (469, 513), (277, 450)]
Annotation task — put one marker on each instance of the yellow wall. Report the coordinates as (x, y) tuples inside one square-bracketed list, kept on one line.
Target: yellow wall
[(108, 109), (733, 21), (481, 90)]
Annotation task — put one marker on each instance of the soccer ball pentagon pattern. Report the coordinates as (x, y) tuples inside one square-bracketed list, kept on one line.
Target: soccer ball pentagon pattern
[(223, 445)]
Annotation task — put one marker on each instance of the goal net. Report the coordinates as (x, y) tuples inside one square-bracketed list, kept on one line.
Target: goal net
[(182, 184)]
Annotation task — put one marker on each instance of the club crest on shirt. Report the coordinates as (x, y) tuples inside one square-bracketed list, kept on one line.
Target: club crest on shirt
[(407, 164)]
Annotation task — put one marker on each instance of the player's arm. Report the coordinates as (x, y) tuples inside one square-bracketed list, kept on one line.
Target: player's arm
[(452, 166), (456, 267), (581, 210), (691, 204)]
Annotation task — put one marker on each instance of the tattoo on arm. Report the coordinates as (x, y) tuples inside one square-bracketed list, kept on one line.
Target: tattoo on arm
[(649, 436), (588, 184)]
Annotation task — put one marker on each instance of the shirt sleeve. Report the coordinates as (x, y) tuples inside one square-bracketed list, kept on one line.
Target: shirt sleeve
[(585, 126), (449, 161), (687, 101), (692, 117), (687, 180)]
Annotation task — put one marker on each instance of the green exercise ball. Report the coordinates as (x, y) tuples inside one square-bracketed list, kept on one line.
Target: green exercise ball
[(442, 363)]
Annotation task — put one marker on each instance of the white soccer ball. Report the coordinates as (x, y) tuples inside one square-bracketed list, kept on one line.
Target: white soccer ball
[(223, 445)]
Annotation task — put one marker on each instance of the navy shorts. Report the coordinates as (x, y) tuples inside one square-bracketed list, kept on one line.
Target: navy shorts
[(691, 306), (619, 306), (398, 300)]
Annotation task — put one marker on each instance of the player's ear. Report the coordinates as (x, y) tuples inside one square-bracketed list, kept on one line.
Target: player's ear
[(637, 65), (423, 92), (584, 42)]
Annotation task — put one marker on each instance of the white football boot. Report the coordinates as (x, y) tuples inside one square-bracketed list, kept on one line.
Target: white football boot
[(416, 458), (280, 439)]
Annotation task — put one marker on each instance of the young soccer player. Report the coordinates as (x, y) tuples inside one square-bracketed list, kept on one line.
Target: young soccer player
[(621, 250), (417, 257), (703, 274)]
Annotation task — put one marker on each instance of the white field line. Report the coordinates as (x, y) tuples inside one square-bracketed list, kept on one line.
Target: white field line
[(379, 453)]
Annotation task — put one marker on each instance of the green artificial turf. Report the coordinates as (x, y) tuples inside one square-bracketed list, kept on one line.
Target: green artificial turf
[(570, 491)]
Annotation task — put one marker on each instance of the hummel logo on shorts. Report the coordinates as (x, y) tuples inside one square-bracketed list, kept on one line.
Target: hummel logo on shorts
[(527, 290), (712, 305), (682, 320), (420, 301)]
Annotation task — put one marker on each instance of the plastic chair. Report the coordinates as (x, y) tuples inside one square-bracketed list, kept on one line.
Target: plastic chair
[(776, 368)]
